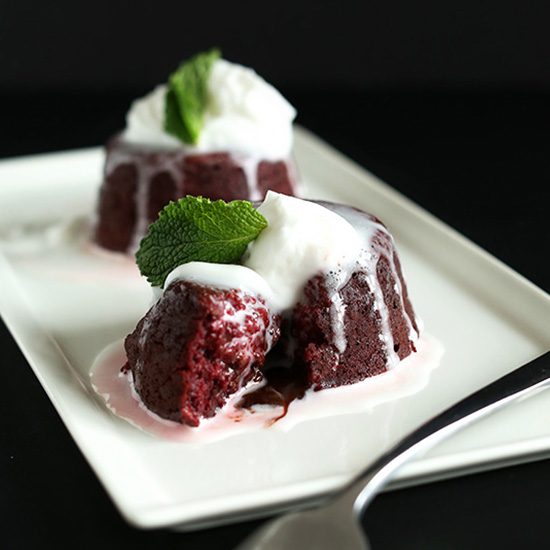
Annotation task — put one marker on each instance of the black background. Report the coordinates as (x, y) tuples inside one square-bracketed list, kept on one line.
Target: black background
[(447, 101), (369, 45)]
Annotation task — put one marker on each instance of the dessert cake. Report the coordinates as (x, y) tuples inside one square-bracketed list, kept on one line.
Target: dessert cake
[(239, 150), (322, 280), (198, 345), (355, 321)]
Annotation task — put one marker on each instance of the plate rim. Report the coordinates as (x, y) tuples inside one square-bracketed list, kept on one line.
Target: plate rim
[(416, 472)]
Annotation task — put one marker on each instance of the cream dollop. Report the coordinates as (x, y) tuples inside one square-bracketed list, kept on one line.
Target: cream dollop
[(301, 239), (145, 121), (244, 114)]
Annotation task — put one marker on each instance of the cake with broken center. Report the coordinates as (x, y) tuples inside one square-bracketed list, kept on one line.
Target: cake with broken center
[(321, 286)]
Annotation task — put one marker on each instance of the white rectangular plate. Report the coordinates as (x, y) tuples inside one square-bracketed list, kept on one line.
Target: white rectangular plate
[(489, 319)]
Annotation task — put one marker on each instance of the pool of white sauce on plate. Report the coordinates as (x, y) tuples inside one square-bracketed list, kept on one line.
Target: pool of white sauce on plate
[(64, 250), (116, 389)]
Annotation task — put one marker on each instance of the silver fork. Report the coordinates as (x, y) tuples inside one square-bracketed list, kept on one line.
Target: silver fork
[(335, 523)]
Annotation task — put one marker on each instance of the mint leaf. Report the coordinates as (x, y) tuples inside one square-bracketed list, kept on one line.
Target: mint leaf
[(197, 229), (186, 97)]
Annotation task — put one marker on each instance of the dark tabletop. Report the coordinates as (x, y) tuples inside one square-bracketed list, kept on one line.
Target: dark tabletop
[(478, 161)]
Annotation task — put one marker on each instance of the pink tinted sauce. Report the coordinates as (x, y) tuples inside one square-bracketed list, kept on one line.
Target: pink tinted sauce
[(116, 389)]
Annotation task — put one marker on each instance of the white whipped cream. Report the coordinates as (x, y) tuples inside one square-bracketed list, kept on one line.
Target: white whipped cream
[(145, 122), (302, 239), (243, 114), (220, 276)]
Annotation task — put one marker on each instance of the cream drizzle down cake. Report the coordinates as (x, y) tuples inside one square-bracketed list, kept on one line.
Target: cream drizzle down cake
[(320, 289), (239, 149)]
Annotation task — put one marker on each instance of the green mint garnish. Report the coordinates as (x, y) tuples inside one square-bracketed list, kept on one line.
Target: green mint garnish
[(187, 95), (197, 229)]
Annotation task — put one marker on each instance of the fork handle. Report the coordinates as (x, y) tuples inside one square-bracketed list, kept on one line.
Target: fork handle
[(531, 377)]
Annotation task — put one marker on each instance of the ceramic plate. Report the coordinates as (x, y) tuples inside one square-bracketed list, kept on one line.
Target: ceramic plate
[(64, 303)]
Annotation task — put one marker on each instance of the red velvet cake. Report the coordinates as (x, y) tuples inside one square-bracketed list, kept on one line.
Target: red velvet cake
[(216, 129), (139, 182), (196, 346), (342, 334), (344, 318)]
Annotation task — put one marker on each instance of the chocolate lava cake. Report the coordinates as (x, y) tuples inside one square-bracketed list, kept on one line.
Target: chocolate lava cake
[(139, 181), (188, 354)]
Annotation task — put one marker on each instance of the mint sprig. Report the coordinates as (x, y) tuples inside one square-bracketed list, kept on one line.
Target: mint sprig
[(197, 229), (186, 97)]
